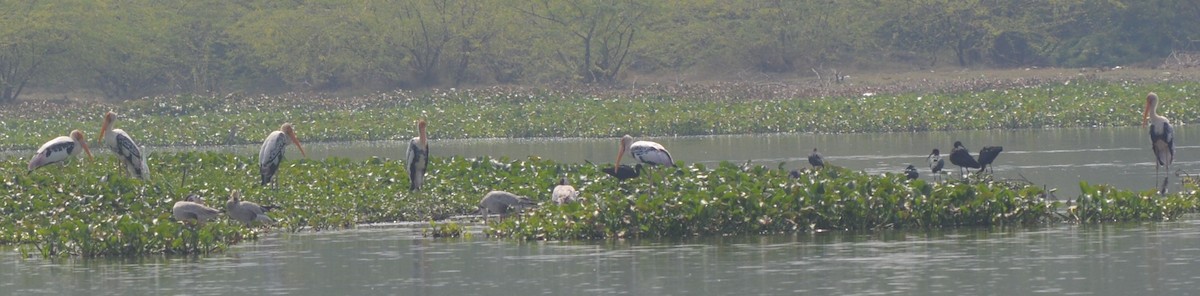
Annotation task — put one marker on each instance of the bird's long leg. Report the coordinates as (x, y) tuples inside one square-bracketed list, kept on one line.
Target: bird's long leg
[(1164, 182)]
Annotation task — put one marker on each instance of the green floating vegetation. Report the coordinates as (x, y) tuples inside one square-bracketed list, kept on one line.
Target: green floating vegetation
[(523, 113), (89, 208)]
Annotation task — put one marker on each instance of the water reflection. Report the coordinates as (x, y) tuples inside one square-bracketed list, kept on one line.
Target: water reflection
[(1126, 259)]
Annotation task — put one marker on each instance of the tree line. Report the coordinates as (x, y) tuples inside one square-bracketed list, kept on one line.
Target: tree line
[(129, 48)]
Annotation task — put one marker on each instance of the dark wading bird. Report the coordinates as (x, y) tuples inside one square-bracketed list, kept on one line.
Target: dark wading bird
[(911, 173), (1162, 139), (121, 144), (623, 172), (271, 153), (987, 155), (816, 160), (417, 157), (936, 163), (962, 158), (60, 150)]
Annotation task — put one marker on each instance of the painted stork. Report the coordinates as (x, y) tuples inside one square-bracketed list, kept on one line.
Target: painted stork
[(193, 210), (1162, 139), (503, 203), (126, 149), (646, 152), (271, 153), (936, 163), (564, 192), (60, 150), (987, 155), (246, 212), (962, 158), (417, 157), (815, 159), (911, 172)]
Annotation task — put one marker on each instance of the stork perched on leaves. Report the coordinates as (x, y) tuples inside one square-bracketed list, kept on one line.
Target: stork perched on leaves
[(121, 144), (271, 153), (1162, 139), (936, 163), (987, 155), (962, 158), (816, 160), (417, 157), (646, 152), (60, 150)]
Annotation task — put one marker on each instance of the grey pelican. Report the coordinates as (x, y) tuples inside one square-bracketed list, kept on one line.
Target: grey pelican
[(60, 150), (646, 152), (564, 192), (503, 203), (417, 157), (126, 149), (193, 210), (271, 153), (962, 158), (246, 212), (1162, 139)]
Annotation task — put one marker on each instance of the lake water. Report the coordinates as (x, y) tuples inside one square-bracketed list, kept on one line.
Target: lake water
[(1114, 259)]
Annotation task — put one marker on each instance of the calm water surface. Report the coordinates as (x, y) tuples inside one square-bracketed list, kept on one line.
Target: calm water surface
[(1057, 158), (1127, 259)]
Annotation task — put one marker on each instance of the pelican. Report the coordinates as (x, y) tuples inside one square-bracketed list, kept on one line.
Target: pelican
[(60, 150), (816, 160), (127, 151), (192, 209), (564, 192), (987, 155), (962, 158), (911, 172), (271, 153), (1162, 138), (418, 158), (246, 212), (936, 163), (503, 203), (646, 152)]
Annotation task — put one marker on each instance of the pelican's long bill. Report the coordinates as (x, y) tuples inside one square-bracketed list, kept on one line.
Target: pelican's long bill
[(291, 133)]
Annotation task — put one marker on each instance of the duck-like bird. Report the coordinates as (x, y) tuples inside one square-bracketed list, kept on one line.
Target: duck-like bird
[(193, 210), (271, 153), (936, 163), (417, 157), (1162, 138), (60, 150), (987, 155), (564, 192), (126, 149), (503, 203), (815, 159), (646, 152), (246, 212), (962, 158)]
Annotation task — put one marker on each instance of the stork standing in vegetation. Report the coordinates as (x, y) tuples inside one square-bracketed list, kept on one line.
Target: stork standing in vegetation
[(271, 153), (962, 158), (1162, 139), (936, 163), (503, 203), (564, 193), (646, 152), (246, 212), (123, 145), (417, 157), (193, 210), (815, 159), (987, 155), (60, 150)]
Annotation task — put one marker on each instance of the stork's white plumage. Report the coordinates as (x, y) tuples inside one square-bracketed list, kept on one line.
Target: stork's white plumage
[(645, 152), (417, 158), (59, 150), (1162, 138), (271, 153), (129, 153)]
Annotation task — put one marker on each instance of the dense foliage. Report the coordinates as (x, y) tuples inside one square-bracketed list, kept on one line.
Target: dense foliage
[(131, 48), (90, 208), (523, 113)]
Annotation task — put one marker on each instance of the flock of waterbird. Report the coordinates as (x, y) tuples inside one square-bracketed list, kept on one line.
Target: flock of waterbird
[(193, 210)]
